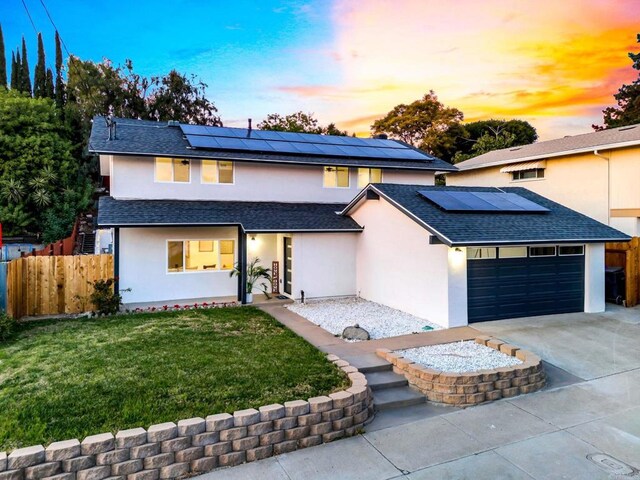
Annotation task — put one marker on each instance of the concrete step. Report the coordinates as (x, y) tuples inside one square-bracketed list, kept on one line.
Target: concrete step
[(396, 398), (385, 380), (368, 362)]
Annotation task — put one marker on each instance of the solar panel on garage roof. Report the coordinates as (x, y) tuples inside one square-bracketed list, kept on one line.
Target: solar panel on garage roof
[(465, 201), (205, 137)]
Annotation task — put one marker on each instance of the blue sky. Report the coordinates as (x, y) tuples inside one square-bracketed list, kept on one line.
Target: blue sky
[(554, 63), (244, 50)]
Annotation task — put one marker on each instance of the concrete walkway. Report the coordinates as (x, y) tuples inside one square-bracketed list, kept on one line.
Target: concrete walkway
[(577, 428), (329, 343)]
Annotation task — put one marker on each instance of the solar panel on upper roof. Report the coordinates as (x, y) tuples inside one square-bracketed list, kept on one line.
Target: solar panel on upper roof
[(466, 201), (241, 139)]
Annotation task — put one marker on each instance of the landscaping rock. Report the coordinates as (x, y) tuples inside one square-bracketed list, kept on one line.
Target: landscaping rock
[(131, 438), (3, 461), (162, 432), (95, 473), (78, 463), (11, 475), (25, 457), (93, 444), (42, 470), (192, 426), (64, 450), (355, 333)]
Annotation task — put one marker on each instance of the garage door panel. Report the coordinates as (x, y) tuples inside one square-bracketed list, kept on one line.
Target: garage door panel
[(519, 287)]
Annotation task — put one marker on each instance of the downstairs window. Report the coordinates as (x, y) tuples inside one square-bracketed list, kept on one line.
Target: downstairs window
[(200, 255)]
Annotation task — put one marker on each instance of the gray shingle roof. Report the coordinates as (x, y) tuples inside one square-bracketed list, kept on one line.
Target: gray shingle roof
[(560, 224), (253, 216), (142, 137), (619, 137)]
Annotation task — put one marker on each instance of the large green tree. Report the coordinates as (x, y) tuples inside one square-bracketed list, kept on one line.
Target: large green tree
[(486, 135), (298, 122), (40, 75), (25, 75), (627, 111), (38, 175), (59, 80), (3, 61), (426, 123)]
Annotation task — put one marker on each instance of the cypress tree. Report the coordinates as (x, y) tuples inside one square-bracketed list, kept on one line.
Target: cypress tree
[(3, 62), (25, 75), (18, 84), (59, 80), (40, 76), (14, 71), (49, 93)]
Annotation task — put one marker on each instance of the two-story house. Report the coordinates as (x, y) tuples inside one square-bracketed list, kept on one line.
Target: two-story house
[(334, 216)]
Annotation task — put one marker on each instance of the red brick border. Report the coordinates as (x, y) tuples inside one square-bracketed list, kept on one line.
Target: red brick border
[(466, 389)]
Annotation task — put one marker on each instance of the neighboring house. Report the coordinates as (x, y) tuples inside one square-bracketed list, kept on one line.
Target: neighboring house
[(594, 173), (189, 202)]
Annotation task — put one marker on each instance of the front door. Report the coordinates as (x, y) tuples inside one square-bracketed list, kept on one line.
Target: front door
[(288, 260)]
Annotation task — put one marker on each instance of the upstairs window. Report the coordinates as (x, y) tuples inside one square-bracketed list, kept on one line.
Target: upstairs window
[(200, 255), (336, 177), (528, 174), (216, 171), (176, 170), (369, 175)]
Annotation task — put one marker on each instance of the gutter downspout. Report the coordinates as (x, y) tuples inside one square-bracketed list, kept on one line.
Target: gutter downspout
[(608, 159)]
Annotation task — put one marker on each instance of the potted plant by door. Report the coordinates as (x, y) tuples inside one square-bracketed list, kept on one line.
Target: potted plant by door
[(255, 273)]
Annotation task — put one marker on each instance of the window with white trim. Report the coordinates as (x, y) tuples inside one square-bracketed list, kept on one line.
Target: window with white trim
[(528, 174), (200, 255), (336, 177), (177, 170), (369, 175), (570, 250), (480, 253), (216, 171), (545, 251), (512, 252)]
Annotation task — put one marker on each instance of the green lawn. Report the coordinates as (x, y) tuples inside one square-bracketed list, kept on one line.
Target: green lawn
[(64, 379)]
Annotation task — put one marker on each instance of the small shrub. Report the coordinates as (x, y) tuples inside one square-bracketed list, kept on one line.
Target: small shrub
[(106, 300), (7, 326)]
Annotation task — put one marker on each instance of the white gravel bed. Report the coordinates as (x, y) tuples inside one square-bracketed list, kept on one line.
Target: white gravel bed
[(459, 357), (335, 314)]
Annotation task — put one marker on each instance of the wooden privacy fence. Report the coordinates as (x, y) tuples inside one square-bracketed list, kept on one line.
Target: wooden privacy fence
[(50, 285), (626, 255)]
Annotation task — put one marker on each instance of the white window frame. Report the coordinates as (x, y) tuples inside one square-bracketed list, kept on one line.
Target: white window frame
[(336, 167), (184, 258), (173, 173), (536, 178), (526, 251), (555, 251), (482, 258), (369, 169), (571, 254), (233, 171)]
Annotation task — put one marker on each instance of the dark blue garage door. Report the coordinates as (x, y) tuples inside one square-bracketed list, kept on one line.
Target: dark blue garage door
[(521, 287)]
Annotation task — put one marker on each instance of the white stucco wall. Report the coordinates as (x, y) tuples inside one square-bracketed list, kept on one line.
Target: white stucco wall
[(594, 297), (324, 264), (397, 267), (133, 177), (143, 266)]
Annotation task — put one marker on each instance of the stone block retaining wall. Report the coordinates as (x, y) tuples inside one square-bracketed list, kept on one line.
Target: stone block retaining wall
[(198, 445), (466, 389)]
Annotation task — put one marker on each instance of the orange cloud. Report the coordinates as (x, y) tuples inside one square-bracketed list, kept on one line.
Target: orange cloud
[(543, 61)]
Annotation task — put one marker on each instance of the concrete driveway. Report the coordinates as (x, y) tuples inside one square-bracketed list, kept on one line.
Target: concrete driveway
[(584, 429), (587, 345)]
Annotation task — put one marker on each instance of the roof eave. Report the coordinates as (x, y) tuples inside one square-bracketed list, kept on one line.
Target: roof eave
[(373, 164), (563, 153)]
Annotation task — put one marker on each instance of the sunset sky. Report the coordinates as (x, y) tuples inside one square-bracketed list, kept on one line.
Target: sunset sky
[(555, 63)]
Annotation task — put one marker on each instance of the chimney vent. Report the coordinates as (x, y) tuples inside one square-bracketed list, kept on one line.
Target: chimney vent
[(249, 128), (173, 123)]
